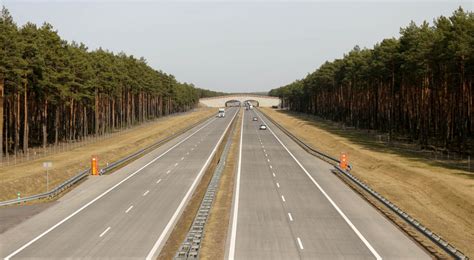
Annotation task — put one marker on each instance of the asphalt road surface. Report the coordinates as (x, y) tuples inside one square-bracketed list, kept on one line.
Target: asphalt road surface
[(128, 214), (288, 205)]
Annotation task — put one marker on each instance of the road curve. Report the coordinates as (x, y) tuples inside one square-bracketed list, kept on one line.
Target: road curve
[(124, 215), (289, 205)]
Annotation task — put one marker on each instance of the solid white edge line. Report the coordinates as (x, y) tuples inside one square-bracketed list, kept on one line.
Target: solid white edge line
[(105, 231), (236, 199), (353, 227), (130, 208), (101, 195), (300, 243), (290, 216), (184, 200)]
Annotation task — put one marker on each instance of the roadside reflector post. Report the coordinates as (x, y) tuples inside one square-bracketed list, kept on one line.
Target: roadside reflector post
[(94, 165), (343, 162), (18, 194)]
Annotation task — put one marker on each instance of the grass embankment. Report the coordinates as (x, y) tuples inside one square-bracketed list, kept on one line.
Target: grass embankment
[(185, 221), (214, 240), (29, 177), (441, 198)]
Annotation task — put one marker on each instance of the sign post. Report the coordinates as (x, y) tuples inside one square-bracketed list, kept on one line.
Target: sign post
[(47, 165), (94, 165)]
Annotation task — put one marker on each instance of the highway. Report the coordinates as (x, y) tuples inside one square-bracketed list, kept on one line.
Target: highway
[(127, 214), (288, 205)]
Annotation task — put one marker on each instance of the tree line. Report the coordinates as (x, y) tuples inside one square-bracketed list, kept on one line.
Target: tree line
[(52, 90), (419, 85)]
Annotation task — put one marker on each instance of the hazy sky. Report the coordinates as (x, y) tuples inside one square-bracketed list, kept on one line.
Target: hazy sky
[(231, 46)]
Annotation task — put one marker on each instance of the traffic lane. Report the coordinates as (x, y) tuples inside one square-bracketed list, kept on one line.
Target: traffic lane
[(91, 188), (387, 240), (319, 229), (262, 231), (68, 239)]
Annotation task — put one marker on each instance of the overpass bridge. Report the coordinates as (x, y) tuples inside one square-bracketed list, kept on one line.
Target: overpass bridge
[(239, 99)]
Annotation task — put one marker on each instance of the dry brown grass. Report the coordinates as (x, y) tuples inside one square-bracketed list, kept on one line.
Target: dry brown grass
[(184, 223), (441, 198), (29, 178), (214, 240)]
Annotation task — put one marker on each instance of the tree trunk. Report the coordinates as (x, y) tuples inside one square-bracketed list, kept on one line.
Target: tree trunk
[(56, 126), (96, 111), (45, 121), (17, 123), (1, 116), (25, 121)]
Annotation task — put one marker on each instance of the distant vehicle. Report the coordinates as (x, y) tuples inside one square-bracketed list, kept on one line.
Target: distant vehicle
[(263, 127), (221, 112), (250, 106), (255, 119)]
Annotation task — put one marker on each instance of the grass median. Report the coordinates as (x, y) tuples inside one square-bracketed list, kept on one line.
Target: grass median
[(441, 197), (30, 178)]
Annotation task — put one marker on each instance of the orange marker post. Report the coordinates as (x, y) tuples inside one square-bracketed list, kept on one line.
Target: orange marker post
[(94, 165), (343, 161)]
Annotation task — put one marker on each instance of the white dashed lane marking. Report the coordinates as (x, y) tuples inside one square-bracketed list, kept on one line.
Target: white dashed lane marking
[(182, 158), (130, 208), (278, 185), (146, 192), (176, 164), (290, 216), (300, 243), (158, 181), (168, 171), (105, 231), (271, 167), (273, 174), (283, 198)]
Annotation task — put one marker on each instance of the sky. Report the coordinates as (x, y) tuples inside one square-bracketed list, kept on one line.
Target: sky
[(231, 46)]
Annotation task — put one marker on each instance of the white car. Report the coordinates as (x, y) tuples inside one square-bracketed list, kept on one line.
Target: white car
[(263, 127), (255, 119)]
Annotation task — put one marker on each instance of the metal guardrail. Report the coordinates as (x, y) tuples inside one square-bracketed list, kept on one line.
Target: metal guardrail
[(51, 193), (75, 179), (440, 242)]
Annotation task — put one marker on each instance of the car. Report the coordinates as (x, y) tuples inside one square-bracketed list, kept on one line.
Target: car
[(263, 127), (255, 119)]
